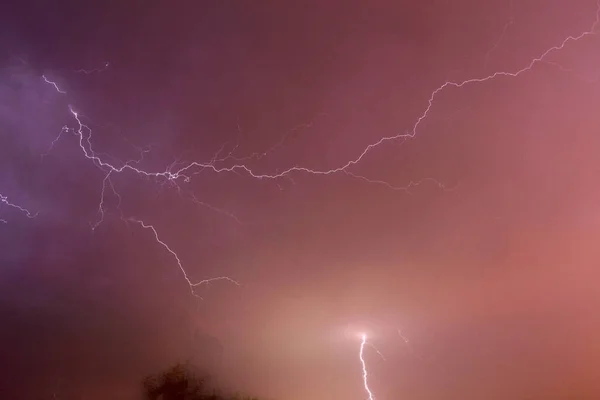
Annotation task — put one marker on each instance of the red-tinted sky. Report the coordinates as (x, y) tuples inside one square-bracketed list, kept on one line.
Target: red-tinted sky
[(487, 264)]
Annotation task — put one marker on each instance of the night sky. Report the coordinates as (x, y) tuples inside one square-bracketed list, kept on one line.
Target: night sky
[(237, 137)]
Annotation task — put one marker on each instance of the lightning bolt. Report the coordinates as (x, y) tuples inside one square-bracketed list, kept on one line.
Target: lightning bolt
[(4, 200), (64, 129), (193, 285), (53, 84), (106, 182), (365, 374)]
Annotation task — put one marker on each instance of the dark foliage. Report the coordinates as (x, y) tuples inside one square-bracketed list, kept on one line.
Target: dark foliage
[(180, 382)]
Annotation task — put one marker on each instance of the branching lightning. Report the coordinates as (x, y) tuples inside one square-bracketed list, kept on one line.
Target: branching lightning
[(186, 171), (232, 163), (84, 134), (191, 284)]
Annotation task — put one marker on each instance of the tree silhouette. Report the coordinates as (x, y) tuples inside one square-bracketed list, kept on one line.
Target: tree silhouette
[(180, 382)]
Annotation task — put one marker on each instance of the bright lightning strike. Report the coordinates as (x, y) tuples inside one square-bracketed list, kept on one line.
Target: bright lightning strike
[(365, 374)]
